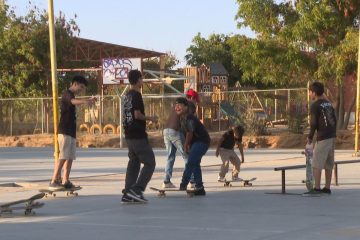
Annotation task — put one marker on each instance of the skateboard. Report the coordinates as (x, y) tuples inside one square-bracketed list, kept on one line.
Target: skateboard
[(246, 182), (190, 193), (68, 191), (309, 173), (29, 205)]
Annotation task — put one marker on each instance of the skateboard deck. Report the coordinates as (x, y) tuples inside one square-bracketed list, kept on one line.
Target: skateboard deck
[(29, 205), (190, 193), (68, 191), (245, 182), (309, 173)]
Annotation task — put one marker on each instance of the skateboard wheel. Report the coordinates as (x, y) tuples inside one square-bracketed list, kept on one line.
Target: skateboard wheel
[(76, 194), (54, 194), (230, 185)]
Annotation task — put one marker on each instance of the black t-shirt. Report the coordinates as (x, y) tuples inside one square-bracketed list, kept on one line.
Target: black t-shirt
[(230, 140), (67, 124), (322, 120), (193, 124), (134, 128)]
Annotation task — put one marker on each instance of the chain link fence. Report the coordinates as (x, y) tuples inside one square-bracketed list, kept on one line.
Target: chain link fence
[(258, 110)]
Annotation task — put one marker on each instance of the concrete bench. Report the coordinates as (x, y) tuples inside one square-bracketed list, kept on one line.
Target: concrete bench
[(336, 163)]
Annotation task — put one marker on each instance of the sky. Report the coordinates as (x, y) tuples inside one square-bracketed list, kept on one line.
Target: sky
[(159, 25)]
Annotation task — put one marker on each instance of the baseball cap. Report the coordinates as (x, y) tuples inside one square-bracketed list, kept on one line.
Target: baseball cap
[(193, 94), (182, 100)]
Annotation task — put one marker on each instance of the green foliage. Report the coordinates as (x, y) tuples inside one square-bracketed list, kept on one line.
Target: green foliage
[(24, 51), (214, 49)]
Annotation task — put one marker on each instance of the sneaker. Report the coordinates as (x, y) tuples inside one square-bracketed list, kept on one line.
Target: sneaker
[(221, 179), (236, 179), (126, 199), (191, 186), (168, 185), (55, 186), (326, 191), (312, 193), (199, 191), (68, 185), (136, 195)]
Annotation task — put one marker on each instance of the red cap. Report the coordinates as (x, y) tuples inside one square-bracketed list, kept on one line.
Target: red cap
[(193, 94)]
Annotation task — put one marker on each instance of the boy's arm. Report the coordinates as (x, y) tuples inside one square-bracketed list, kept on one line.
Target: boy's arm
[(89, 101), (218, 146), (139, 116), (189, 136), (241, 149)]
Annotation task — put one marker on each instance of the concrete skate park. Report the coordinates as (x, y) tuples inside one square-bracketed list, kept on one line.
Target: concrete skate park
[(237, 212)]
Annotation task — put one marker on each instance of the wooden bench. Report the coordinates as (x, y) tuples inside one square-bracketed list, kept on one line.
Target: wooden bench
[(336, 163)]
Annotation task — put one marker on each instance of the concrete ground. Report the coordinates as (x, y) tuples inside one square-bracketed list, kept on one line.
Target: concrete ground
[(224, 213)]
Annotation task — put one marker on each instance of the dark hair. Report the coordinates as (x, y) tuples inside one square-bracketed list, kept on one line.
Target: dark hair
[(240, 129), (317, 88), (79, 79), (134, 76), (182, 100)]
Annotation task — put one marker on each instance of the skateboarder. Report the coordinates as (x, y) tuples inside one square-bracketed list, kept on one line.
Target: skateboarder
[(196, 144), (67, 132), (140, 151), (226, 151), (322, 120), (174, 140)]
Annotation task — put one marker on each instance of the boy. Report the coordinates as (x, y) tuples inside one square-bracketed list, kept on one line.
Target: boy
[(193, 98), (67, 132), (323, 120), (226, 151), (173, 140), (140, 152), (196, 144)]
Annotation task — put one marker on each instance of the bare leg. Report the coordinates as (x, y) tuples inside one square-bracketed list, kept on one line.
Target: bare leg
[(67, 169), (328, 175), (317, 176), (57, 170)]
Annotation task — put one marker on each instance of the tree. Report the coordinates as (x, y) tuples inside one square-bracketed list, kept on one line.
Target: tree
[(214, 49), (24, 52), (313, 39)]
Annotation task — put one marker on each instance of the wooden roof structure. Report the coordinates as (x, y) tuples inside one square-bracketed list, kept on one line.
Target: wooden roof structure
[(93, 51)]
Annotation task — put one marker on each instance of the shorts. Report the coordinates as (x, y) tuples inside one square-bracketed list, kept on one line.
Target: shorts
[(67, 147), (324, 154), (229, 155)]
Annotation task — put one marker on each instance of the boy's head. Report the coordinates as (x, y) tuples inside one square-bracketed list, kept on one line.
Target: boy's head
[(316, 89), (192, 96), (181, 106), (238, 131), (135, 77), (78, 84)]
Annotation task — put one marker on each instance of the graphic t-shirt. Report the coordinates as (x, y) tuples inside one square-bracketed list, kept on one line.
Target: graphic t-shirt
[(322, 120), (134, 128), (67, 124), (193, 124)]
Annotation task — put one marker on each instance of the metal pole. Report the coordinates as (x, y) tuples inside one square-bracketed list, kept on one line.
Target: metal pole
[(42, 116), (120, 121), (308, 102), (11, 119), (53, 75), (275, 106), (357, 103)]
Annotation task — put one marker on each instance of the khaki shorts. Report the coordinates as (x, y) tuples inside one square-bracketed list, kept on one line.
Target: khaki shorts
[(67, 147), (229, 155), (324, 154)]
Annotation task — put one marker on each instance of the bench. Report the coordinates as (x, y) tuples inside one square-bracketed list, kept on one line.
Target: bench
[(336, 163)]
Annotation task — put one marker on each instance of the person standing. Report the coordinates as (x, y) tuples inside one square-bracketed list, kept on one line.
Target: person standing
[(323, 121), (197, 142), (140, 151), (67, 132)]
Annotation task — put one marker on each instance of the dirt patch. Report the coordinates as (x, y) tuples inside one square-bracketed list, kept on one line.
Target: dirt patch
[(345, 140)]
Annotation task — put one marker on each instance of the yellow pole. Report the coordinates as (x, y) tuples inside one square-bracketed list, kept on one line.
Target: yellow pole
[(357, 103), (54, 76)]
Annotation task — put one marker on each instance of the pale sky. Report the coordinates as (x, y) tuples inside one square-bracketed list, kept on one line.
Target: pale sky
[(159, 25)]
